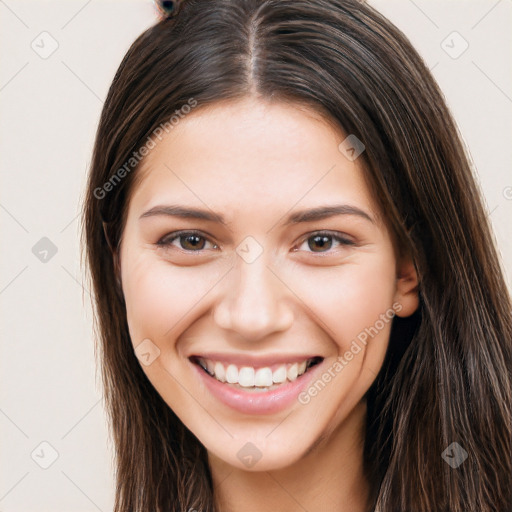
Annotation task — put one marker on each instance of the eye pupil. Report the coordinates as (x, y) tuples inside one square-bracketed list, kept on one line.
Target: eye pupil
[(193, 239), (322, 240)]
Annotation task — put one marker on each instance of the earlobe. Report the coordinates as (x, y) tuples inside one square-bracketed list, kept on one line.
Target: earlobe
[(407, 289)]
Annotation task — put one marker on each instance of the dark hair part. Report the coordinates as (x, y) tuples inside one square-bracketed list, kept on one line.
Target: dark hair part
[(447, 374)]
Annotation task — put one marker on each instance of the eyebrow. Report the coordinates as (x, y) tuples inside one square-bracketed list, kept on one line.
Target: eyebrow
[(306, 215)]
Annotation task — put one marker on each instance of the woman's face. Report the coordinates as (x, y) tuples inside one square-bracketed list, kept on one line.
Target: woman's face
[(261, 333)]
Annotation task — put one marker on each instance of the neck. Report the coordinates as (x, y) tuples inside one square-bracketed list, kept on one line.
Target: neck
[(329, 476)]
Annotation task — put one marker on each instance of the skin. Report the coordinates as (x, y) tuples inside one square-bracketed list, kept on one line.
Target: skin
[(255, 163)]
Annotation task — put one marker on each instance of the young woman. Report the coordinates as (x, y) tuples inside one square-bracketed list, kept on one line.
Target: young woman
[(298, 296)]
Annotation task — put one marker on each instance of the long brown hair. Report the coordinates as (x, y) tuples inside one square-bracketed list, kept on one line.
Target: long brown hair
[(447, 373)]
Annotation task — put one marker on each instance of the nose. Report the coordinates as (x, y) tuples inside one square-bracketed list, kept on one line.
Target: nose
[(254, 301)]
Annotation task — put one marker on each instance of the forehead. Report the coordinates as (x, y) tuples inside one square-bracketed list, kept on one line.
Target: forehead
[(251, 156)]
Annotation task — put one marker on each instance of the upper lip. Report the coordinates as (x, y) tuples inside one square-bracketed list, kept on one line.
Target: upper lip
[(253, 360)]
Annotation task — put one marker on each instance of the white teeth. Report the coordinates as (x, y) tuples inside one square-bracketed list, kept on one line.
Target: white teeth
[(232, 374), (248, 377), (292, 372), (263, 378), (220, 373), (279, 375)]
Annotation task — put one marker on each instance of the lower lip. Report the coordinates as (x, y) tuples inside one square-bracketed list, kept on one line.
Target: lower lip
[(257, 402)]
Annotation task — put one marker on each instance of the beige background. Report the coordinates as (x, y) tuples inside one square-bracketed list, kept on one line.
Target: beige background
[(50, 106)]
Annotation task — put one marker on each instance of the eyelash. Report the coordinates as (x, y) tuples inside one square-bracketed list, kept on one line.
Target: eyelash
[(166, 242)]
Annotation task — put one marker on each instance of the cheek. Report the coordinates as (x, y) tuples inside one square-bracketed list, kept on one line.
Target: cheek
[(349, 299), (161, 299)]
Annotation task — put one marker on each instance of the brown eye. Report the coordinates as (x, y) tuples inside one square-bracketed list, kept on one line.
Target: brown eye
[(323, 242), (191, 242), (320, 242), (187, 241)]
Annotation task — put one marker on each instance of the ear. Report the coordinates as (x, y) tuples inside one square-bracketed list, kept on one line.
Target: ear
[(407, 289)]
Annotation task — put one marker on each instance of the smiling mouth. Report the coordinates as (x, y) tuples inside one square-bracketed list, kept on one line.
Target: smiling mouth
[(249, 378)]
